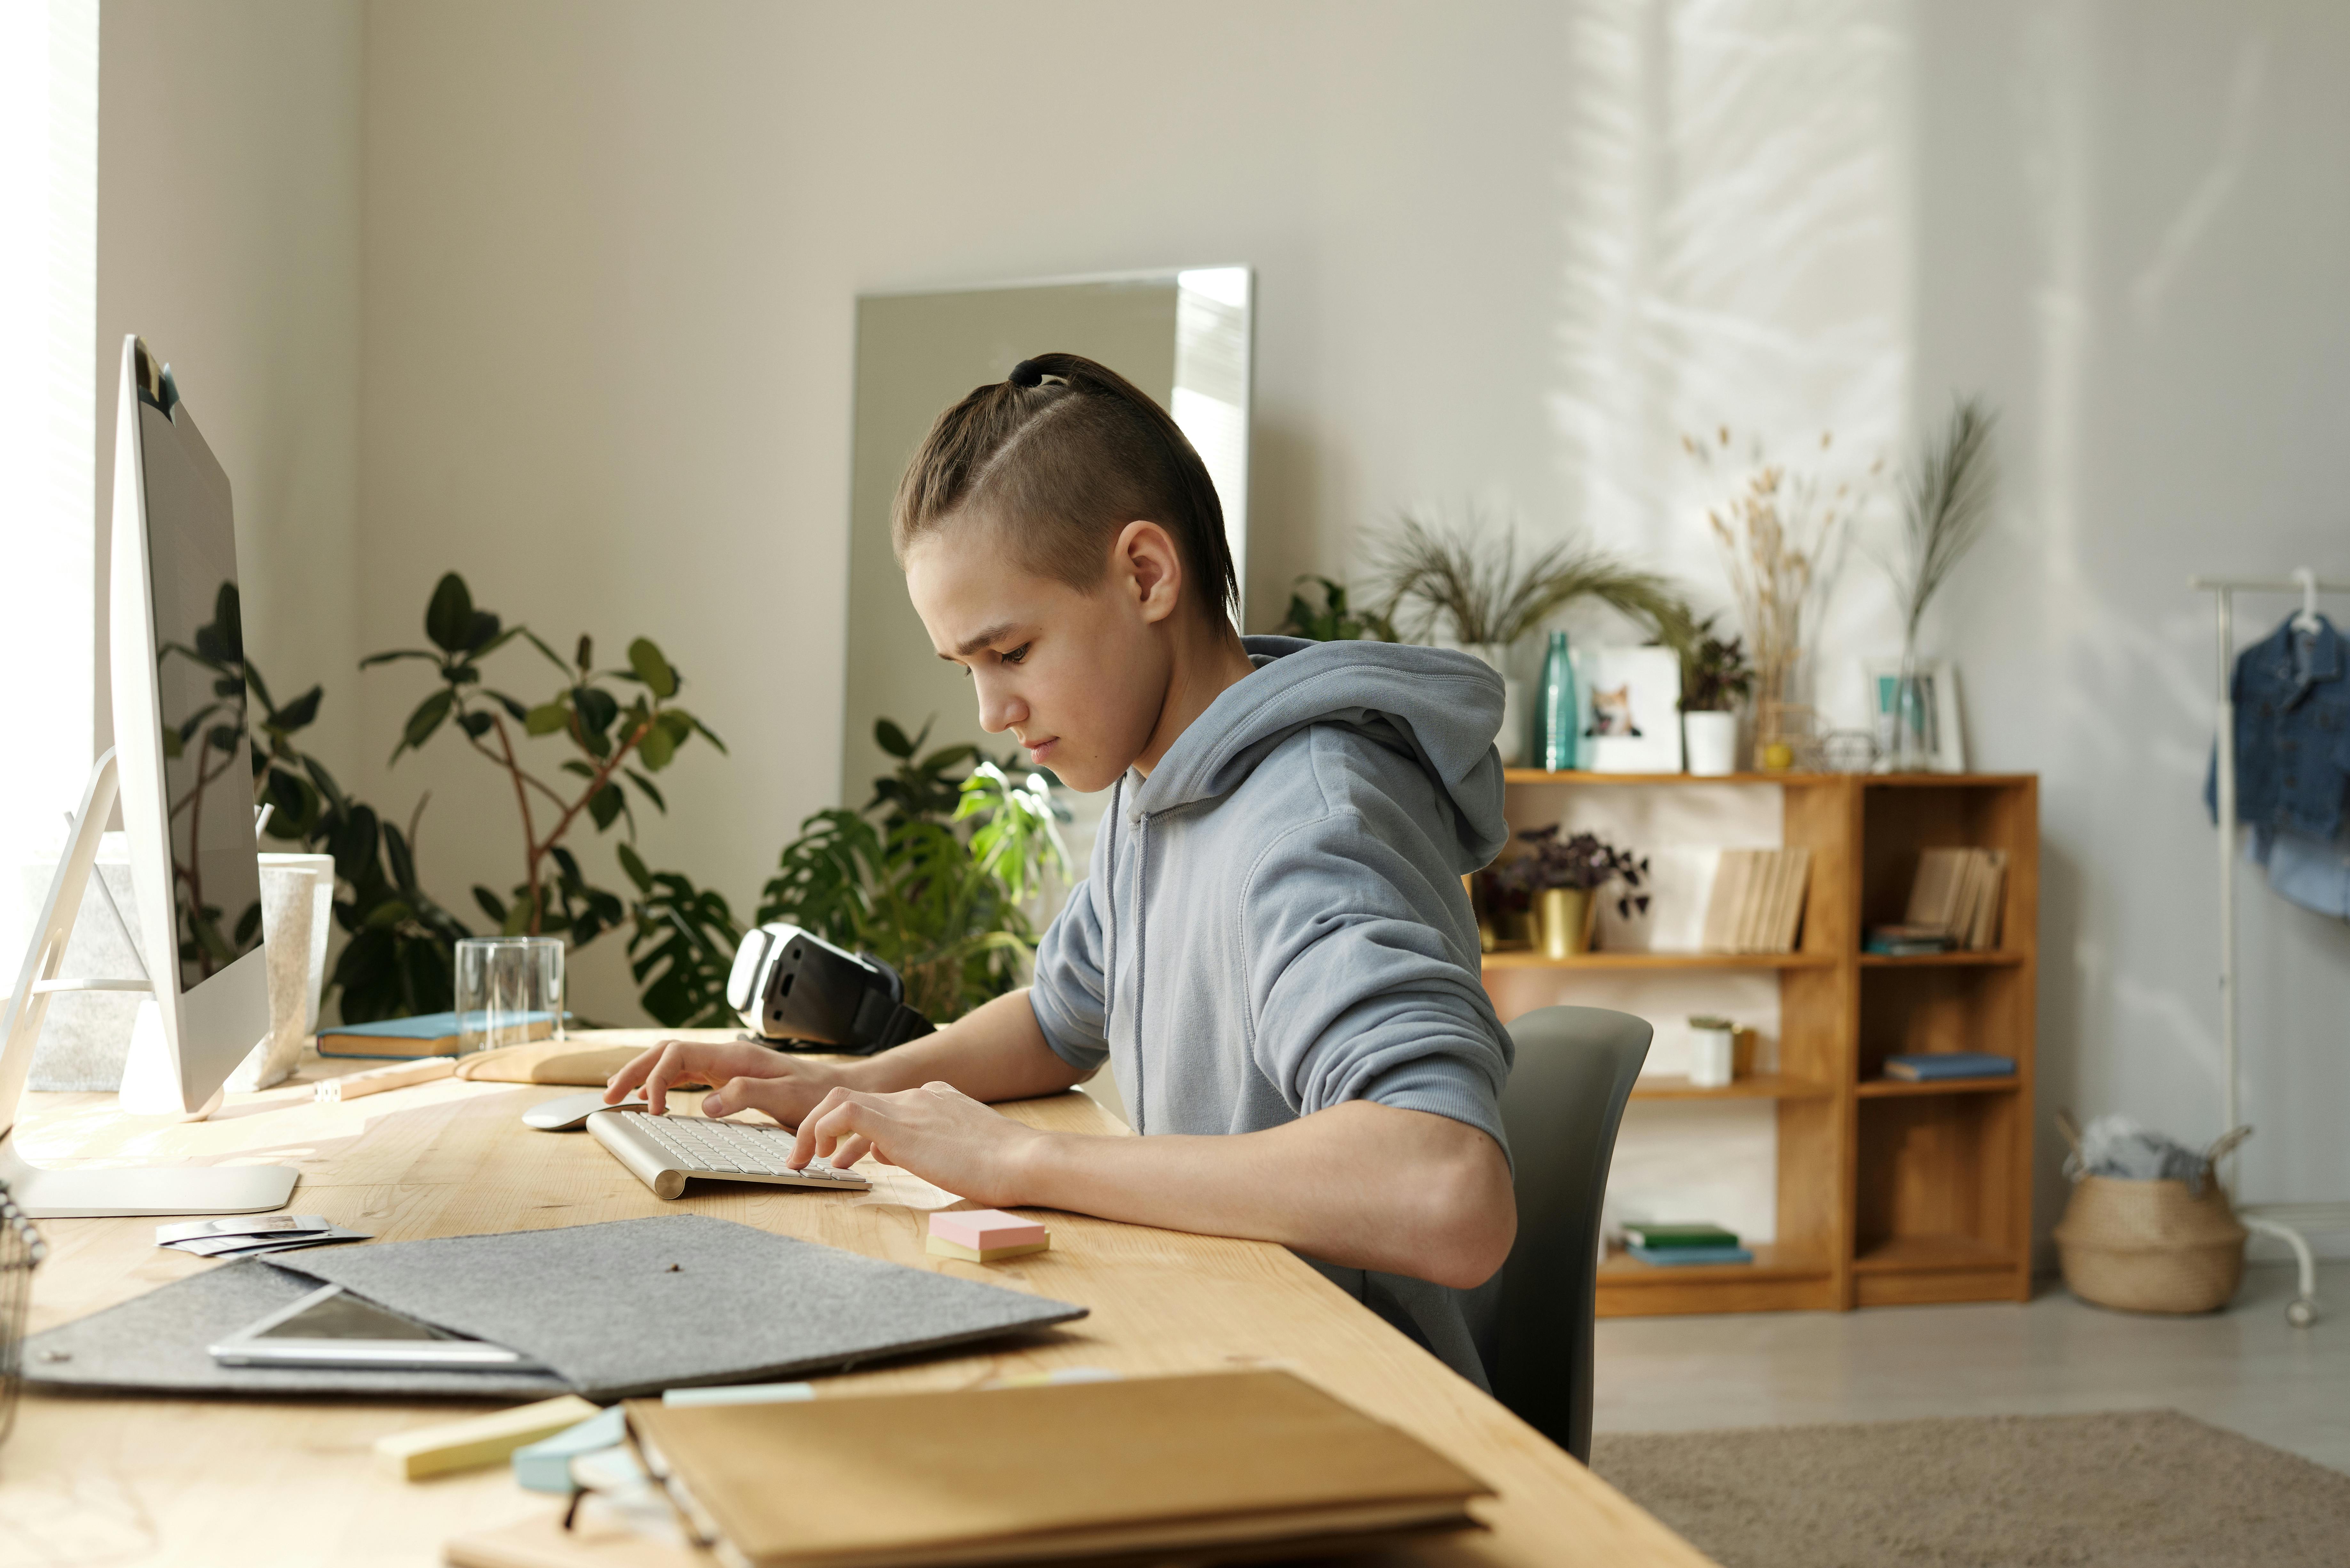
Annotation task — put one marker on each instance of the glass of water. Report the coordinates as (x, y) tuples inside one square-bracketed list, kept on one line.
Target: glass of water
[(509, 991)]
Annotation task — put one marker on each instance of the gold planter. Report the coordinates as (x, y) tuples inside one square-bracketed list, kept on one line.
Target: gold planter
[(1564, 916)]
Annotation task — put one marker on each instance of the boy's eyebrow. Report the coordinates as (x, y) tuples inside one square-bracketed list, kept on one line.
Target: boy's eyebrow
[(973, 644)]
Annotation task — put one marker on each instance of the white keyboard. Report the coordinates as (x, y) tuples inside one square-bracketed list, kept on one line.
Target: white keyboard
[(663, 1151)]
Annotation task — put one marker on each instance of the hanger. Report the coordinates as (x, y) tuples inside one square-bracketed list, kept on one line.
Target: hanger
[(2307, 620)]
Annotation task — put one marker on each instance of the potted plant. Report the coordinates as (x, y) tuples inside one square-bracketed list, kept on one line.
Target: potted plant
[(1562, 880), (1715, 679), (1945, 500), (1333, 620), (1783, 538), (1470, 589)]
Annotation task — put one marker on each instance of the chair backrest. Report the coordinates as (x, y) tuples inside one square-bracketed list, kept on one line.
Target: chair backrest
[(1565, 1099)]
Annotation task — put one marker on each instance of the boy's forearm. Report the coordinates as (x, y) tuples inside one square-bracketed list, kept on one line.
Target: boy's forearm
[(1359, 1185), (996, 1052)]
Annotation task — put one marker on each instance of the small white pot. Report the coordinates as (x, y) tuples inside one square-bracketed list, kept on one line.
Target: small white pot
[(1713, 1057), (1712, 744)]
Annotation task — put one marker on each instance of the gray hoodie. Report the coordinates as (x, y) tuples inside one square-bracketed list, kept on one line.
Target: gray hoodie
[(1274, 921)]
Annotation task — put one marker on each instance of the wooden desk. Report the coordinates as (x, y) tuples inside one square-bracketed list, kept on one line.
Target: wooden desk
[(255, 1483)]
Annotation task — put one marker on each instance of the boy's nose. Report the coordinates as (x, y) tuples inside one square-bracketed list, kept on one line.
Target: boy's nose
[(999, 709)]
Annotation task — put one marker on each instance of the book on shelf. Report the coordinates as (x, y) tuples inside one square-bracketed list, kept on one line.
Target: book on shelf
[(1902, 941), (1934, 1067), (1686, 1257), (1661, 1237), (1958, 893), (1757, 903)]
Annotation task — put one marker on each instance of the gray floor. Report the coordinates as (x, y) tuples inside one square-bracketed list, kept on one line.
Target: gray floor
[(2243, 1369)]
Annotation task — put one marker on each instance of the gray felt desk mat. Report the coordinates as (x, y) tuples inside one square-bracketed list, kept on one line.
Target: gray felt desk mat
[(156, 1344), (620, 1309)]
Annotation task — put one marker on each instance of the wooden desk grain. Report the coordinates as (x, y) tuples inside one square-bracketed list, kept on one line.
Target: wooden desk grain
[(125, 1482)]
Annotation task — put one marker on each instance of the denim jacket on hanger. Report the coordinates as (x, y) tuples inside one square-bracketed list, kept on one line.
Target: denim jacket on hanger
[(2292, 733)]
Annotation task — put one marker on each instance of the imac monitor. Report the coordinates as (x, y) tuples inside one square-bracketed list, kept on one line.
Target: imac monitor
[(179, 733), (183, 769)]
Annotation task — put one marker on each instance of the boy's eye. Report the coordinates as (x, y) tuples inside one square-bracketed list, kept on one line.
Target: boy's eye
[(1018, 655)]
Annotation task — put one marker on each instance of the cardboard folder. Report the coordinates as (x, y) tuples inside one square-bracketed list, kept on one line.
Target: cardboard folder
[(1205, 1464)]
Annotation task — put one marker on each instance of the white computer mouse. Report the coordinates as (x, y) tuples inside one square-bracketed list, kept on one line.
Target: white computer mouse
[(569, 1113)]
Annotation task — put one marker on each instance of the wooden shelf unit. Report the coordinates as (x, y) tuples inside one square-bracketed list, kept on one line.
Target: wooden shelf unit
[(1889, 1192)]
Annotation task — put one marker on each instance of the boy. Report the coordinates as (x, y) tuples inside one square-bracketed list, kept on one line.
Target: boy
[(1272, 947)]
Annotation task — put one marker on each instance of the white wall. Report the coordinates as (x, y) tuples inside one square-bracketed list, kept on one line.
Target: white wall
[(228, 238), (2132, 236), (48, 236)]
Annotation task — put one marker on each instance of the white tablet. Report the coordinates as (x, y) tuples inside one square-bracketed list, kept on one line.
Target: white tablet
[(332, 1328)]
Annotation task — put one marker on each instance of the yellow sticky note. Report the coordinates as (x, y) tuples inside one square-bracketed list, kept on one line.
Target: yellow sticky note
[(480, 1440)]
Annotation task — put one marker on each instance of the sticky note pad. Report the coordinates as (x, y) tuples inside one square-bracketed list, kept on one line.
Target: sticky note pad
[(483, 1440), (741, 1394), (984, 1235), (546, 1464)]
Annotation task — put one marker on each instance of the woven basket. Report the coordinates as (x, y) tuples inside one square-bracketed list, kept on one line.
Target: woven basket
[(2152, 1246)]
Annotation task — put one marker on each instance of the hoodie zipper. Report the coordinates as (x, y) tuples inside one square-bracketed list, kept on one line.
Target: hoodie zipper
[(1142, 947)]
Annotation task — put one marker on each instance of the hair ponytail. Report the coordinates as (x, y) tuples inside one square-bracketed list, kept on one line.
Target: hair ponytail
[(1060, 455)]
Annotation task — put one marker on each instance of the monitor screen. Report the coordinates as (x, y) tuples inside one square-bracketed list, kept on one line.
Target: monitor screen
[(200, 683)]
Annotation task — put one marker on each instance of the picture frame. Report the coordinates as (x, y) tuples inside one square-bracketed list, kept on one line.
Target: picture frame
[(1629, 704), (1945, 739)]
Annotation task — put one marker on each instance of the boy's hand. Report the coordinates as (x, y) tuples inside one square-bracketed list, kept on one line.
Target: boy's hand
[(741, 1076), (937, 1131)]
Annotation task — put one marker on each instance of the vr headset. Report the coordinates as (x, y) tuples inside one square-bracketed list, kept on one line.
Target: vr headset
[(791, 989)]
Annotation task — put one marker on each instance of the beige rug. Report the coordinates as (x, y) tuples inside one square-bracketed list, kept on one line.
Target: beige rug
[(2148, 1489)]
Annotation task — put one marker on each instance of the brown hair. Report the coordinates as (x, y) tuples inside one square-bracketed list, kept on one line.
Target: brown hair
[(1060, 466)]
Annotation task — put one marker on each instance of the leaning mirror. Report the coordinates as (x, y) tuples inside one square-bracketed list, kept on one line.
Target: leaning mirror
[(1183, 337)]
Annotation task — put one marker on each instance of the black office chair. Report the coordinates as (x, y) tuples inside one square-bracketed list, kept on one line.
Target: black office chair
[(1534, 1320)]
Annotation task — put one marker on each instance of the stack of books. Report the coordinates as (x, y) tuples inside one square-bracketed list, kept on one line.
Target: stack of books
[(1680, 1244), (1757, 904), (1955, 899), (1907, 941), (1942, 1064)]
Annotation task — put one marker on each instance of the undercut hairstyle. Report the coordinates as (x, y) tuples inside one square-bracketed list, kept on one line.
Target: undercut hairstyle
[(1058, 458)]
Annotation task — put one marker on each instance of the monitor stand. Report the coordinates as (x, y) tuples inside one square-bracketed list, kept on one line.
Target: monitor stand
[(46, 1194)]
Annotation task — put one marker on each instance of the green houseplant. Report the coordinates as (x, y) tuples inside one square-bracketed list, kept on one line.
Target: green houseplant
[(1715, 679), (395, 960), (616, 739), (1472, 584), (1562, 880), (933, 876), (1333, 620), (1472, 581)]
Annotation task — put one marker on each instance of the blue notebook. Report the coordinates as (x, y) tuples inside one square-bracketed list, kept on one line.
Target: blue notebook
[(406, 1038), (1940, 1065), (1669, 1256)]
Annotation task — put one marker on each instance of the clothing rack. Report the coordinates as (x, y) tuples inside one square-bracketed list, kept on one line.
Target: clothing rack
[(2287, 1222)]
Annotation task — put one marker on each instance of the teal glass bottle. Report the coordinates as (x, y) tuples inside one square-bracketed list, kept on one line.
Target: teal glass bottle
[(1560, 715)]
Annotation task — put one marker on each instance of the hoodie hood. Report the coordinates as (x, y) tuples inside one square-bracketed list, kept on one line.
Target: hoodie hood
[(1442, 709)]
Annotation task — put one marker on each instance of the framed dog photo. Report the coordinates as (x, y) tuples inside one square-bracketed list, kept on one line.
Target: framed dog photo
[(1630, 699), (1938, 720)]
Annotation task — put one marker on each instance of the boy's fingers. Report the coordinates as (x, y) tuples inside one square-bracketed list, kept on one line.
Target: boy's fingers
[(746, 1094), (672, 1068), (631, 1073), (803, 1142)]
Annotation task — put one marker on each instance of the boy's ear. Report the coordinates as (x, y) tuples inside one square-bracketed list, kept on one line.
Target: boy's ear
[(1147, 565)]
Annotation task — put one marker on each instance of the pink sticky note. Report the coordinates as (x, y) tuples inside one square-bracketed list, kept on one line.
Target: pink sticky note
[(984, 1230)]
